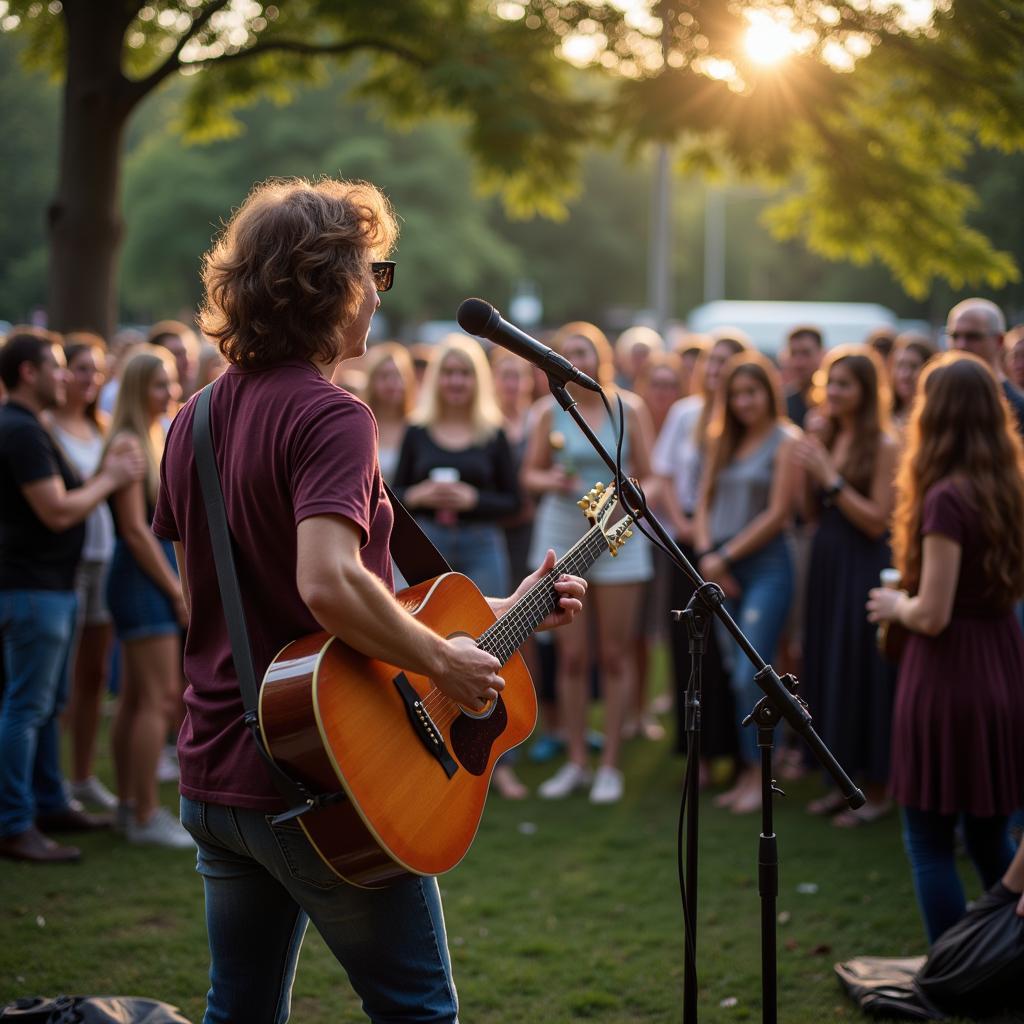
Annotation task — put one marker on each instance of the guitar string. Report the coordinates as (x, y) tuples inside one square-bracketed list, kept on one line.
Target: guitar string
[(516, 624), (539, 601), (504, 637)]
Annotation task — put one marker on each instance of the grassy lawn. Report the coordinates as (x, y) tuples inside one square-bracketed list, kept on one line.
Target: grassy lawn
[(561, 912)]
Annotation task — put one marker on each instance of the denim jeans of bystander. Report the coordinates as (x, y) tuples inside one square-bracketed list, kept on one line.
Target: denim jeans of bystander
[(37, 627), (930, 842), (766, 583)]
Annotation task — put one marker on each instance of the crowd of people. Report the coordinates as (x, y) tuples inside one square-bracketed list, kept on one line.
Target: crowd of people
[(792, 485)]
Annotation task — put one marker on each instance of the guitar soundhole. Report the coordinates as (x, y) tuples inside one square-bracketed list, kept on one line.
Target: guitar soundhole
[(472, 738)]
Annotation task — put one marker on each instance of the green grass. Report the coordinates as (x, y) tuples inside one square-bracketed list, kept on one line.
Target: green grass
[(575, 919)]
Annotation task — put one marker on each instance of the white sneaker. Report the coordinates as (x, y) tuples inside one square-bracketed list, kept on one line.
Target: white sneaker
[(92, 791), (167, 766), (568, 778), (607, 788), (162, 829)]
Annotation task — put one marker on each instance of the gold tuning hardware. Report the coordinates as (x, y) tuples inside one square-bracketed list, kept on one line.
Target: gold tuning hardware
[(597, 503), (619, 534)]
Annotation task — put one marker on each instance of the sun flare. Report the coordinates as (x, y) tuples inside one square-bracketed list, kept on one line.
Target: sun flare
[(769, 41)]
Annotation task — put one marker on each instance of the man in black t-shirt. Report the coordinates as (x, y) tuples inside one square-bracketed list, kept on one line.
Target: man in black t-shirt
[(42, 509)]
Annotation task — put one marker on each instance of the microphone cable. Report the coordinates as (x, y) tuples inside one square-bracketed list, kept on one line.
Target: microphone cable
[(638, 515)]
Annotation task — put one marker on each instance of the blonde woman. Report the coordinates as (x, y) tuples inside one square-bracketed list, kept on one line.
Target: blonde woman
[(390, 394), (146, 602), (559, 465), (455, 471)]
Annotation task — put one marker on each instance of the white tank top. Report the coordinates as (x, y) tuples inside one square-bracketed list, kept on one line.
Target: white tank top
[(84, 455)]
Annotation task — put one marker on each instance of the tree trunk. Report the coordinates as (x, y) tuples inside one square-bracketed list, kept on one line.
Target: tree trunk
[(85, 224)]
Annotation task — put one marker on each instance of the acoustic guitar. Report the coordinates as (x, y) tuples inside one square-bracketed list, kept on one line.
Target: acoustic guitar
[(410, 767)]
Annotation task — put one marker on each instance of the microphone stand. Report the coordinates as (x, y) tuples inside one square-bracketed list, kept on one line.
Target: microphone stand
[(779, 701)]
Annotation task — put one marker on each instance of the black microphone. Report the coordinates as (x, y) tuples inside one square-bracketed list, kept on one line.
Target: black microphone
[(480, 318)]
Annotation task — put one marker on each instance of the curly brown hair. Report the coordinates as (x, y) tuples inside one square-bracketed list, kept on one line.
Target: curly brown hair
[(960, 426), (872, 417), (288, 273)]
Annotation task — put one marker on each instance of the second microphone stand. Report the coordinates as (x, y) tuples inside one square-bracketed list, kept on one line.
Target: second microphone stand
[(779, 702)]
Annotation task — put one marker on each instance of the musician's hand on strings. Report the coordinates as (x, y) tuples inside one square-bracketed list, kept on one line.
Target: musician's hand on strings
[(469, 674), (570, 589)]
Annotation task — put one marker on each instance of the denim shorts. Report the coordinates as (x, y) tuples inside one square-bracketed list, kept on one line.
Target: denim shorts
[(139, 607)]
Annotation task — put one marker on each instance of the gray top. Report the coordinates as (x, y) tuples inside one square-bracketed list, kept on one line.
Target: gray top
[(743, 489)]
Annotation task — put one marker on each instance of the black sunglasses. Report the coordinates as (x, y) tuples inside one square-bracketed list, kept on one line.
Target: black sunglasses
[(968, 336), (383, 274)]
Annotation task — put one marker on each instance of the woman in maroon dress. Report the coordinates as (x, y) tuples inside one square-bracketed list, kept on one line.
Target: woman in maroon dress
[(958, 539)]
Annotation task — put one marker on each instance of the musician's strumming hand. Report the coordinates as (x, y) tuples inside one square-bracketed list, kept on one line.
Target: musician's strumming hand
[(469, 675), (571, 590)]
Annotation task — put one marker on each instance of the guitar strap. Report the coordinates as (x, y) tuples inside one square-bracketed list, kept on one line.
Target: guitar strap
[(413, 551)]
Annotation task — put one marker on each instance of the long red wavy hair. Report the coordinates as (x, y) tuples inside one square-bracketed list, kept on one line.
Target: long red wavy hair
[(960, 426)]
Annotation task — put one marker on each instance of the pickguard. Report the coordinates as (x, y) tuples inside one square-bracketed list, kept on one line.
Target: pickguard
[(472, 738)]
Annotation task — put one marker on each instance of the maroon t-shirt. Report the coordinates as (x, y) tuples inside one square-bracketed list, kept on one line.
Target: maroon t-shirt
[(289, 445)]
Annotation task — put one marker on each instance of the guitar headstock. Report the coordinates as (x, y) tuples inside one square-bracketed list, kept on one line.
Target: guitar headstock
[(619, 534), (598, 504)]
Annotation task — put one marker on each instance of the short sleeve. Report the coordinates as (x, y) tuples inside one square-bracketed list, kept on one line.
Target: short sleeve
[(30, 455), (945, 512), (334, 464)]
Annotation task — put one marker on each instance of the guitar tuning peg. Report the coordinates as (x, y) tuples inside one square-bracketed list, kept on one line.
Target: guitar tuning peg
[(583, 504), (627, 535), (598, 487)]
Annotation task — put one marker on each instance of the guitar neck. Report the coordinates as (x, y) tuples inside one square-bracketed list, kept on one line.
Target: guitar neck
[(516, 626)]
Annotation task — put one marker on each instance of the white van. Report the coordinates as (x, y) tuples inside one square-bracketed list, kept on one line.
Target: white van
[(768, 323)]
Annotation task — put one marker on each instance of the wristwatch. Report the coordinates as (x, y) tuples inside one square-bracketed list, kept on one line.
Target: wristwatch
[(832, 492)]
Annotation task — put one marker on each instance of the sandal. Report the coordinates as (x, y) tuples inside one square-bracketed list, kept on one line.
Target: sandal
[(508, 784), (747, 802), (864, 815), (825, 806)]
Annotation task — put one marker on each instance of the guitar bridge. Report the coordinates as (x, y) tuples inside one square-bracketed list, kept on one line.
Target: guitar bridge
[(423, 725)]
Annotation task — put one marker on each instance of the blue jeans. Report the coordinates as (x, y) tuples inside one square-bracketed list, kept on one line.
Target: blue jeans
[(929, 841), (477, 550), (37, 627), (264, 883), (766, 582)]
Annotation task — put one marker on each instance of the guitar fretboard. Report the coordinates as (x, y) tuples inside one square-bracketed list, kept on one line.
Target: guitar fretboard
[(512, 630)]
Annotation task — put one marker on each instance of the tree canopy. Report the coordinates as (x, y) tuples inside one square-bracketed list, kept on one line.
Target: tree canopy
[(869, 118)]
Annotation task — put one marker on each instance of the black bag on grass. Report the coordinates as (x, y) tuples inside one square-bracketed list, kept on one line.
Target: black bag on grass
[(975, 969), (91, 1010)]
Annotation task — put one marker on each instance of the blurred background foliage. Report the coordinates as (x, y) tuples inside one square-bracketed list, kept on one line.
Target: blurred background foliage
[(455, 242)]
